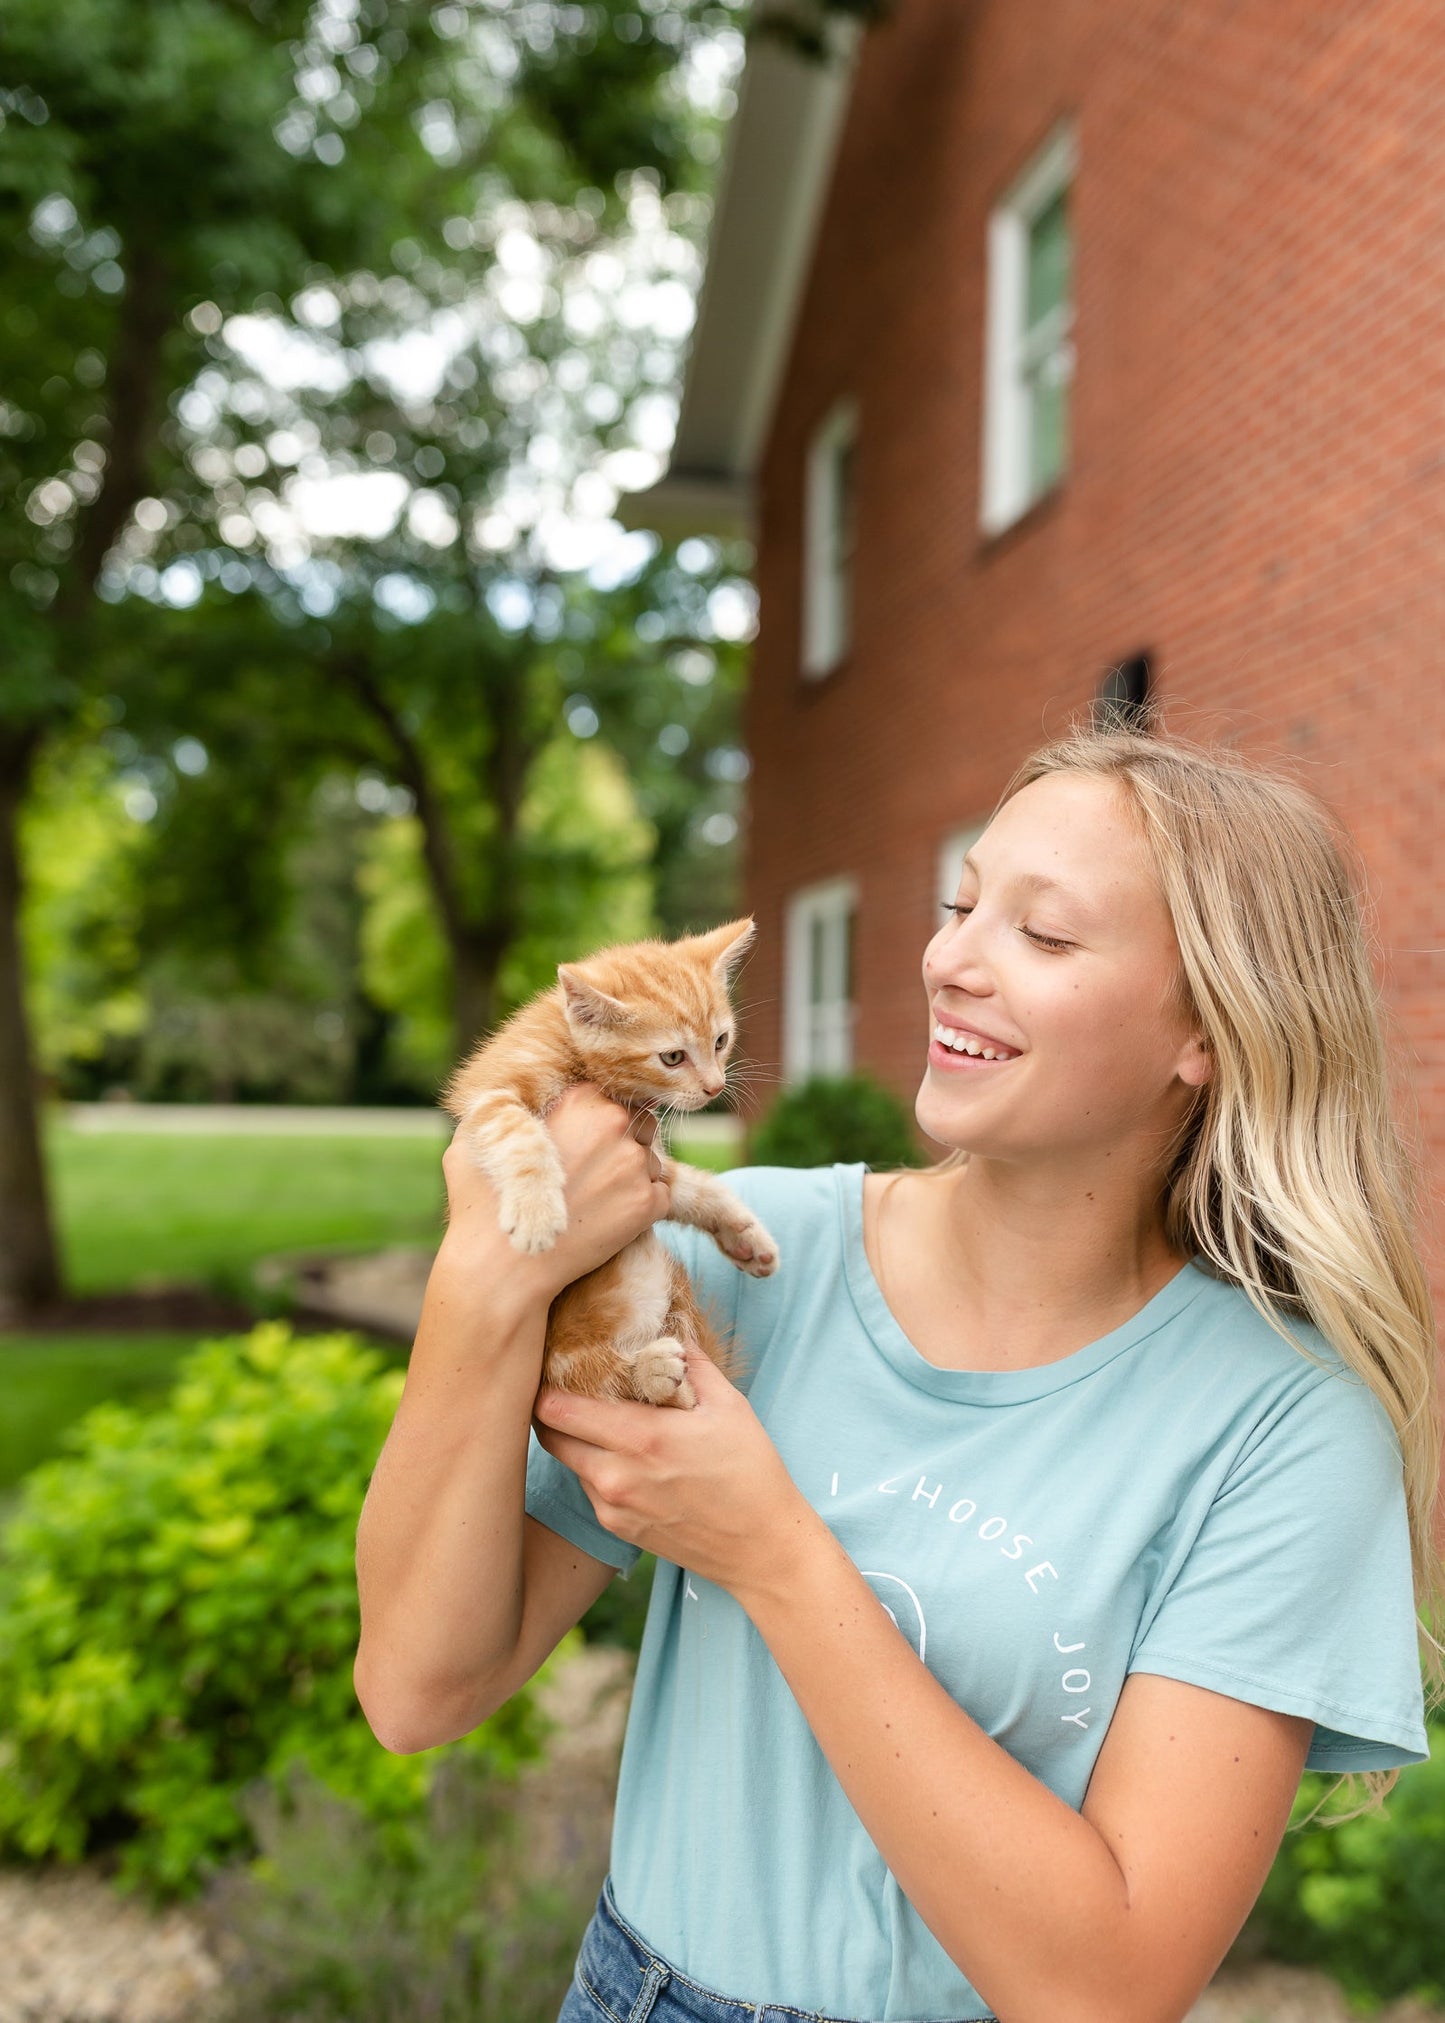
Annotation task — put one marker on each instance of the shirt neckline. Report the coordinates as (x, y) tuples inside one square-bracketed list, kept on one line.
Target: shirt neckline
[(989, 1387)]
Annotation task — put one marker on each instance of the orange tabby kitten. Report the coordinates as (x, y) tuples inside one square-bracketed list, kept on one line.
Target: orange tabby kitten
[(651, 1025)]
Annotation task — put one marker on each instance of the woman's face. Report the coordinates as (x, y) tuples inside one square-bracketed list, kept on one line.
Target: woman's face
[(1063, 950)]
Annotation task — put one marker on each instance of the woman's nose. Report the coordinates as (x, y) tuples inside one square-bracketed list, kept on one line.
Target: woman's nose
[(954, 958)]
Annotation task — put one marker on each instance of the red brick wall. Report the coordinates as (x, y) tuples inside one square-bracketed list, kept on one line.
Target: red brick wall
[(1257, 485)]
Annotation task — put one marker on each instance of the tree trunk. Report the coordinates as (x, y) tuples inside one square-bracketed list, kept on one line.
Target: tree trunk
[(29, 1275), (475, 962)]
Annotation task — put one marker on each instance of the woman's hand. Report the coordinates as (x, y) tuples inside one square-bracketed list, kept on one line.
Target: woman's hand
[(613, 1184), (705, 1489)]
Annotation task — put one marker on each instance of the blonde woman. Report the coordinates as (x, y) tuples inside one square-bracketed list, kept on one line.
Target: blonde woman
[(1079, 1497)]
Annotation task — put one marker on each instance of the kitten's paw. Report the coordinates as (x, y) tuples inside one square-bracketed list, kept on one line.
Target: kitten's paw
[(533, 1220), (659, 1374), (749, 1246)]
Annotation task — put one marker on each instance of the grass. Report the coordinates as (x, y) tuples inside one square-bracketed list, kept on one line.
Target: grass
[(149, 1210), (49, 1381), (144, 1210)]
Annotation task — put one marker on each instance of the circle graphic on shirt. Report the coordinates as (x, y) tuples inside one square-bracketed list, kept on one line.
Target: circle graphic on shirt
[(902, 1607)]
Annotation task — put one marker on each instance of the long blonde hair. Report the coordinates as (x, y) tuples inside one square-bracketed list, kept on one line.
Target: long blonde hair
[(1289, 1175)]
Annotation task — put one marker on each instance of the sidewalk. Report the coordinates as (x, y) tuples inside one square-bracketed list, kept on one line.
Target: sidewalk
[(255, 1120), (304, 1120)]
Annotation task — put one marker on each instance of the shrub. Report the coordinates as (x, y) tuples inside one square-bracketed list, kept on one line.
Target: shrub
[(1362, 1900), (178, 1614), (444, 1925), (619, 1614), (836, 1119)]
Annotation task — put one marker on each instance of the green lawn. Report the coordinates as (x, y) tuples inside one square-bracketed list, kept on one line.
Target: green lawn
[(50, 1380), (143, 1210)]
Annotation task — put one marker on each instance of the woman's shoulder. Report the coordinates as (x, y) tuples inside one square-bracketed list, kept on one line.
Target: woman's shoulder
[(1283, 1370)]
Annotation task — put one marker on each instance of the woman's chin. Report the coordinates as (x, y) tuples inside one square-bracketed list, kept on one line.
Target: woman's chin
[(949, 1115), (932, 1109)]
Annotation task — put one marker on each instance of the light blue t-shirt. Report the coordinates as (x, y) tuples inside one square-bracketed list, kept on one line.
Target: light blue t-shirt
[(1188, 1495)]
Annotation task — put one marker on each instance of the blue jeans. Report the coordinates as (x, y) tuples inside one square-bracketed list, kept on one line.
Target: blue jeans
[(619, 1979)]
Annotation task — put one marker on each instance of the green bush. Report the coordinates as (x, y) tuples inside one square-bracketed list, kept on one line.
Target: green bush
[(178, 1614), (619, 1614), (836, 1119), (334, 1925), (1362, 1900)]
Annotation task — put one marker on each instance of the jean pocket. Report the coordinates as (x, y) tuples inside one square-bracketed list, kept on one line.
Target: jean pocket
[(585, 2004)]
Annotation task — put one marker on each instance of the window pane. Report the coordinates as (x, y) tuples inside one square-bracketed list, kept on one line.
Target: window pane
[(1049, 254), (817, 959), (1048, 427), (840, 546)]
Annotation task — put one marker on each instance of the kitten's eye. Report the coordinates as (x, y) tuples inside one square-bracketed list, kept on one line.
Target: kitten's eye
[(722, 1040), (675, 1058)]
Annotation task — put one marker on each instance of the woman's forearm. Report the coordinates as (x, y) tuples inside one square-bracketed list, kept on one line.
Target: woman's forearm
[(1019, 1889), (439, 1543)]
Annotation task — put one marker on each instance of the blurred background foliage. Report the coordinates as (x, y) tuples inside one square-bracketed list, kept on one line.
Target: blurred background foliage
[(333, 706)]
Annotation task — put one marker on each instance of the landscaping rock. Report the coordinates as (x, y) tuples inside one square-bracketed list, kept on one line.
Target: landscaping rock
[(1271, 1994), (76, 1952), (380, 1292)]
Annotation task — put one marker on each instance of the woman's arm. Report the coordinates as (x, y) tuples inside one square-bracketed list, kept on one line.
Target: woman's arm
[(1118, 1914), (463, 1596)]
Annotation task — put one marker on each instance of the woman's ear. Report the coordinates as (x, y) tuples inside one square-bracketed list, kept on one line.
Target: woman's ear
[(1196, 1063)]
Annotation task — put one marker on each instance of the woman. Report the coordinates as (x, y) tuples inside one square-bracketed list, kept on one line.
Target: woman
[(1079, 1495)]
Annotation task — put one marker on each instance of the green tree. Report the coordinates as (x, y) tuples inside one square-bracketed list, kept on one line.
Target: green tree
[(479, 723), (163, 168)]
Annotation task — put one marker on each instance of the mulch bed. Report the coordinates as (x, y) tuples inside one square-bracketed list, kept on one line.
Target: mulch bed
[(174, 1310)]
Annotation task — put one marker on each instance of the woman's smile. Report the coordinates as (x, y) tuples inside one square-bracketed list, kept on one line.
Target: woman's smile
[(953, 1059)]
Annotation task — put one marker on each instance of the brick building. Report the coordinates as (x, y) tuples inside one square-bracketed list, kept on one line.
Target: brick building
[(1043, 341)]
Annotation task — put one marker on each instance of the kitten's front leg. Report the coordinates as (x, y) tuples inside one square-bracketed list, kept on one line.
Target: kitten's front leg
[(701, 1200), (515, 1150)]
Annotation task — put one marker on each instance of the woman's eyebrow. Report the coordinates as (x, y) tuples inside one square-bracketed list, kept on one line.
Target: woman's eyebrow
[(1035, 881)]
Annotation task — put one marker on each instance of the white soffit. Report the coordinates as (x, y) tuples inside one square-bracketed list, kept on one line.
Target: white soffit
[(774, 181)]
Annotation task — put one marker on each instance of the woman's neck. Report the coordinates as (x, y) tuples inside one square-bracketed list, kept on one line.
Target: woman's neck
[(1016, 1264)]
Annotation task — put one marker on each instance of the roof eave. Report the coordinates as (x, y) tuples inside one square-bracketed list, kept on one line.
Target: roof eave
[(773, 185)]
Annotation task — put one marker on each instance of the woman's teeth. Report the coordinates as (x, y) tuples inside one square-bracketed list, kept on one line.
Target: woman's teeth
[(965, 1043)]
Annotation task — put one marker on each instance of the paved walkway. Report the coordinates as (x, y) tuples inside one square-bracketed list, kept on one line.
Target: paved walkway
[(256, 1120), (307, 1120)]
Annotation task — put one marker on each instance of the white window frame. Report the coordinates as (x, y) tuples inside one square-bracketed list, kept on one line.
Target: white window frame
[(1011, 351), (828, 541), (951, 853), (818, 1036)]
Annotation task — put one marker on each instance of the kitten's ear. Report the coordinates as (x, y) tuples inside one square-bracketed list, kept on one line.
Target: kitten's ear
[(725, 947), (586, 1005)]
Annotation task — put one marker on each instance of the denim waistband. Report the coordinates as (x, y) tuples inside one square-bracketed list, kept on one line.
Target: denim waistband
[(619, 1978)]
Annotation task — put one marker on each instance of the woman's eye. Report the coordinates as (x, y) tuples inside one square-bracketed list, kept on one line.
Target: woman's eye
[(722, 1040), (675, 1058), (1042, 940)]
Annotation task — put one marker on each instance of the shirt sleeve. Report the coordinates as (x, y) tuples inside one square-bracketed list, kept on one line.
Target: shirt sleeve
[(1295, 1591), (557, 1499)]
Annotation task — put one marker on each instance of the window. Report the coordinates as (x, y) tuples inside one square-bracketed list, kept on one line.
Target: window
[(1029, 352), (818, 981), (828, 541), (954, 848), (1122, 701)]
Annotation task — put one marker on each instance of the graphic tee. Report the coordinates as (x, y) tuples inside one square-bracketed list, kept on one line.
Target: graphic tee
[(1189, 1495)]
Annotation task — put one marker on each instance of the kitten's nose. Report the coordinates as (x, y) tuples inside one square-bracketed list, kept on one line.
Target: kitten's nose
[(714, 1088)]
